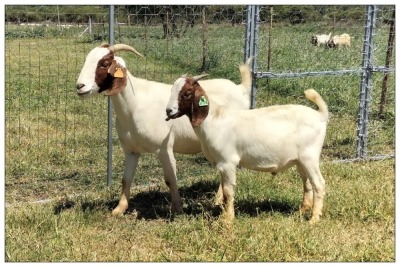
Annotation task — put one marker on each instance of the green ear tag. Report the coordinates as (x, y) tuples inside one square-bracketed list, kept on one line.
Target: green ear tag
[(203, 101)]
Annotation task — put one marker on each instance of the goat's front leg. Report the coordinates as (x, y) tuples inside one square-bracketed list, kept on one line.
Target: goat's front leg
[(228, 184), (168, 163), (131, 161)]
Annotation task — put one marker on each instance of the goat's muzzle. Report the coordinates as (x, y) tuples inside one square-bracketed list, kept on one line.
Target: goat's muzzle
[(80, 86), (170, 116)]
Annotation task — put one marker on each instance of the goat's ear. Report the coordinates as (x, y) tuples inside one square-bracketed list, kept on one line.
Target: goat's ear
[(115, 70), (200, 106), (119, 81)]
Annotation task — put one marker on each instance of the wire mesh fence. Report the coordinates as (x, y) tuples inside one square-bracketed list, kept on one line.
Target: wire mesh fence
[(285, 54), (55, 141)]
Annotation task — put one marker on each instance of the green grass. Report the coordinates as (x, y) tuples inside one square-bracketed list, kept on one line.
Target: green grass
[(56, 149), (358, 222)]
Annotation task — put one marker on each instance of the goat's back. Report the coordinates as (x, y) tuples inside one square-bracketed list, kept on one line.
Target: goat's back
[(283, 119), (226, 93)]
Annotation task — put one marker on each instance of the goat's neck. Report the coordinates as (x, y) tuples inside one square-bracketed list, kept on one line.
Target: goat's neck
[(124, 102), (211, 123)]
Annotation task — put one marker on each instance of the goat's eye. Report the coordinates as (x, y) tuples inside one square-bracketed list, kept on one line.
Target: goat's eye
[(187, 95), (105, 64)]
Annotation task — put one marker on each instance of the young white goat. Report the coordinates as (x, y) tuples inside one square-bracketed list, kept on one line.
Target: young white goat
[(339, 40), (269, 139), (139, 105), (320, 39)]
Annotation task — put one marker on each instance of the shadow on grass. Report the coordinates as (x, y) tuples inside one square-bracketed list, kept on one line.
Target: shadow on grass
[(197, 198)]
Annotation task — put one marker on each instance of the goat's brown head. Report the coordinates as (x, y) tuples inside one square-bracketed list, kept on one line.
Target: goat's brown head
[(188, 98), (314, 40), (103, 71)]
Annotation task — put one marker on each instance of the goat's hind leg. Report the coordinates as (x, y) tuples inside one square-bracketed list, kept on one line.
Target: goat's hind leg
[(219, 197), (308, 199), (131, 161), (312, 171)]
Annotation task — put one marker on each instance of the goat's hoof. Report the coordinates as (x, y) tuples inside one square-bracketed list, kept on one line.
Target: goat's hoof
[(228, 216), (177, 212), (118, 211), (314, 220), (177, 209), (227, 220), (304, 208)]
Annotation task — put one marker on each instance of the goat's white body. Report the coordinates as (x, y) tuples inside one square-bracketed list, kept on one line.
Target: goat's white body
[(141, 124), (268, 139)]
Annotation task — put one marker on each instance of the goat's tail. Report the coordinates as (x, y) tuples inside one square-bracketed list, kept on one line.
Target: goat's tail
[(247, 76), (313, 96)]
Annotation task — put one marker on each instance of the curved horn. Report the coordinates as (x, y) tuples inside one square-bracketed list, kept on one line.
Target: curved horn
[(198, 77), (121, 47)]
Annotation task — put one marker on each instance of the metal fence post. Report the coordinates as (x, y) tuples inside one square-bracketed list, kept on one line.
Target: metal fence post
[(365, 84), (251, 41), (109, 115)]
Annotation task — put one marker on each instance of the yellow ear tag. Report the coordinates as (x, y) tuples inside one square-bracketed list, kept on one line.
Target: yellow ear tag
[(118, 73)]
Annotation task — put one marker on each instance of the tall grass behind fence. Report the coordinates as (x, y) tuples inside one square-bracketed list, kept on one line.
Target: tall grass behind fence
[(56, 143), (51, 136), (187, 39)]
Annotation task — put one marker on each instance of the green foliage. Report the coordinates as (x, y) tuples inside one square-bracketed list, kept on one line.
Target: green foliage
[(53, 13), (36, 32), (214, 14)]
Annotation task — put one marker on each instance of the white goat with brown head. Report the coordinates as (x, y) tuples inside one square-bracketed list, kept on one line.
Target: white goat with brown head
[(269, 139), (139, 106), (319, 39)]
